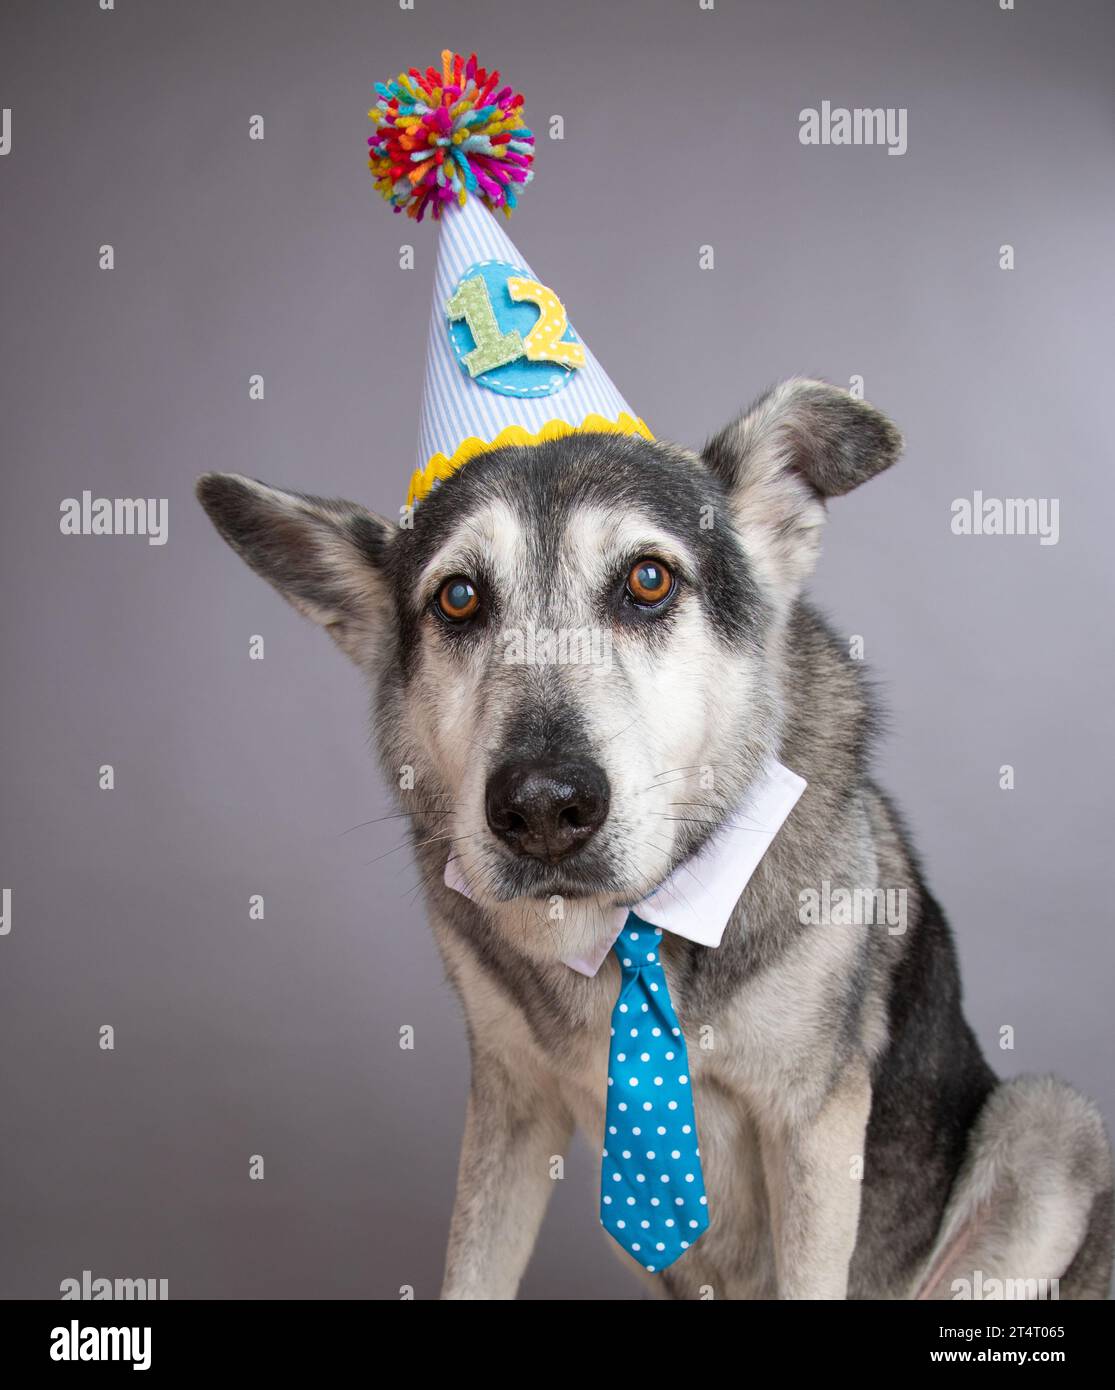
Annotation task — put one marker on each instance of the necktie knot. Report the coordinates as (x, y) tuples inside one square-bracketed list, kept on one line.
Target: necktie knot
[(638, 944)]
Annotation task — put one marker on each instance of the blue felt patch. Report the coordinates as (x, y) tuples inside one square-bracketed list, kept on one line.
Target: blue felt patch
[(521, 377)]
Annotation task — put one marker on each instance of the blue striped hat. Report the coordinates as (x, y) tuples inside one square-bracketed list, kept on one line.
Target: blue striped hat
[(503, 363)]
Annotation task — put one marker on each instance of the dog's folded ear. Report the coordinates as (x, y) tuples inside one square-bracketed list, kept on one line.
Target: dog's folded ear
[(799, 444), (325, 557)]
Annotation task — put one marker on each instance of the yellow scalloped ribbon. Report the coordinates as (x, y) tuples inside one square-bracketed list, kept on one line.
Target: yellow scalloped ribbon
[(423, 479)]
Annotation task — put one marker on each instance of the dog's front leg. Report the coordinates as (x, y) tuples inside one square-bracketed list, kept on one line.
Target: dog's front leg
[(813, 1162), (516, 1126)]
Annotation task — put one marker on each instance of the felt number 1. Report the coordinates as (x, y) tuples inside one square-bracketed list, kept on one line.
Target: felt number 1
[(543, 342), (493, 349)]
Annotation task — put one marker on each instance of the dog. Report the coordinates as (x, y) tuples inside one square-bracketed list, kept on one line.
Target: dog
[(855, 1142)]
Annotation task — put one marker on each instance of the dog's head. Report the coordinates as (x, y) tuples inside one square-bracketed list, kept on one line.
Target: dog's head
[(576, 645)]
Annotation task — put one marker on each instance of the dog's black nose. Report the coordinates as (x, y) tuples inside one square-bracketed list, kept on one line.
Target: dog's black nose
[(547, 810)]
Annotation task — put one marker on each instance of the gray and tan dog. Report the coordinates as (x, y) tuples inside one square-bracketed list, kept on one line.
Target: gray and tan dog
[(568, 780)]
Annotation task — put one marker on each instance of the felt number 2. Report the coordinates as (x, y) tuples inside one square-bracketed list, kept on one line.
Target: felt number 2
[(493, 349), (543, 342)]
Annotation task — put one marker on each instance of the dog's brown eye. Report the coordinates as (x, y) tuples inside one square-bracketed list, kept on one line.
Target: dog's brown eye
[(458, 599), (649, 582)]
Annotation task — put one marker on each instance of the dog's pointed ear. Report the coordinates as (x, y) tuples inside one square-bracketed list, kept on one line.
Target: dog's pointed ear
[(799, 444), (326, 557)]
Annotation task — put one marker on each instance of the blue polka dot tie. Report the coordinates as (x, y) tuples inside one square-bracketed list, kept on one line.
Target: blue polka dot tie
[(652, 1197)]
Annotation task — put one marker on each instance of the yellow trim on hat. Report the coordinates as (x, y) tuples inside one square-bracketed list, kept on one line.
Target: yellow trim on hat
[(423, 479)]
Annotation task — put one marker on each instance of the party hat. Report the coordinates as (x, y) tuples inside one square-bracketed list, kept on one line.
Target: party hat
[(503, 363)]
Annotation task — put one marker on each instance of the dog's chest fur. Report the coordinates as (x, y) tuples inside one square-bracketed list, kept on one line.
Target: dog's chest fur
[(765, 1026), (578, 1070)]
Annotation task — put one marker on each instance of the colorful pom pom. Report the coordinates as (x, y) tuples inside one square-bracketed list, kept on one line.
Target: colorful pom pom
[(449, 135)]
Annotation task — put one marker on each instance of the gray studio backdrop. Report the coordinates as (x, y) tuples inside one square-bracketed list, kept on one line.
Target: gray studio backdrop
[(129, 907)]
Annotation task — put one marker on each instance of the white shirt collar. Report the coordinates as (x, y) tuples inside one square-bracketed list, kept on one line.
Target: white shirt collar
[(699, 897)]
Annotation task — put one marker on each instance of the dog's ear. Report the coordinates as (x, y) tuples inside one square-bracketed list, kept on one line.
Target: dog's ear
[(799, 444), (326, 557)]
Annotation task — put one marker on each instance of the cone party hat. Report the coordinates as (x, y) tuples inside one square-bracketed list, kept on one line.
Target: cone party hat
[(503, 363)]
